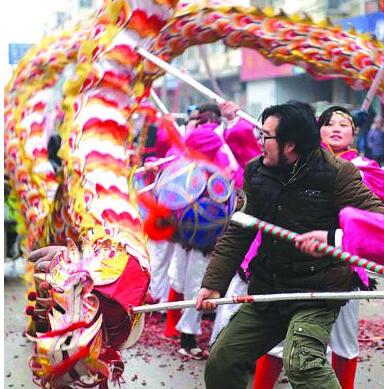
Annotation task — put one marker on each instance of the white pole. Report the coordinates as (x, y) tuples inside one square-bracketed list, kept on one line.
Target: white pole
[(190, 81), (261, 298), (372, 90), (159, 103), (215, 85), (163, 108), (150, 165)]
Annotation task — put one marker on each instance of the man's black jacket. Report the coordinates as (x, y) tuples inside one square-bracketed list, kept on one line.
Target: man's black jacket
[(309, 200)]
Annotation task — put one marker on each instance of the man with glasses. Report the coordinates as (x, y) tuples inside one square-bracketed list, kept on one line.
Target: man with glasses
[(297, 185)]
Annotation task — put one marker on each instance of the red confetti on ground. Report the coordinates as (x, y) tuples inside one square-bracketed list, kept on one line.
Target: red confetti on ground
[(371, 334), (152, 336), (371, 337)]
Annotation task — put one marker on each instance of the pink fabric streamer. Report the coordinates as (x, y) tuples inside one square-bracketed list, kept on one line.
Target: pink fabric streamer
[(251, 253), (373, 178), (371, 172), (363, 233)]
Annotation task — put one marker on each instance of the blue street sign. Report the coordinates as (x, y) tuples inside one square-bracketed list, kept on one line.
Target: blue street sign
[(17, 51), (373, 23)]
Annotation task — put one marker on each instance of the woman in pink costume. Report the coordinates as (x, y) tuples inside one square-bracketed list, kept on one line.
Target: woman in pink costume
[(337, 131)]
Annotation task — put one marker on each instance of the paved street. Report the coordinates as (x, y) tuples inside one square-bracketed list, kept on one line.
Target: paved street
[(160, 365)]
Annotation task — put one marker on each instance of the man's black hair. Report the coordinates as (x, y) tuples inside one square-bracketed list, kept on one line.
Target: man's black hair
[(302, 105), (210, 107), (297, 124), (326, 115)]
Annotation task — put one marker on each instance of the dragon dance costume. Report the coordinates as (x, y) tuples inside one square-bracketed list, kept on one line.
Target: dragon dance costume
[(85, 84)]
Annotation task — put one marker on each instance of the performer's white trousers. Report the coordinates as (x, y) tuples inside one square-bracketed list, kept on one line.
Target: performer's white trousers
[(160, 257), (237, 287), (186, 273), (177, 268), (344, 337)]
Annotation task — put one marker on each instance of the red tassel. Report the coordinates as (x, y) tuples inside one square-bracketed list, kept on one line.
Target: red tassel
[(62, 331), (113, 358), (156, 230), (63, 367), (159, 224), (32, 296), (29, 310)]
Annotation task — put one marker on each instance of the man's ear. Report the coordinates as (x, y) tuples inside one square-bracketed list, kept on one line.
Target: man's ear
[(289, 147)]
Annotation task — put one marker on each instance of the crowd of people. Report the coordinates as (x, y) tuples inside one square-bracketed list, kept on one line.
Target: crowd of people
[(298, 172)]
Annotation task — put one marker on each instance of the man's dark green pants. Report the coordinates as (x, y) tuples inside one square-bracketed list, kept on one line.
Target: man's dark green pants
[(251, 333)]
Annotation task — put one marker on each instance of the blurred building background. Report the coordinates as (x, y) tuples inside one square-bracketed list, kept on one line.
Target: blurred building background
[(27, 22), (241, 75), (254, 82), (68, 12)]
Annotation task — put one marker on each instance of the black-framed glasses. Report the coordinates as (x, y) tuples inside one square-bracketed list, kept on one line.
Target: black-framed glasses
[(262, 137)]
